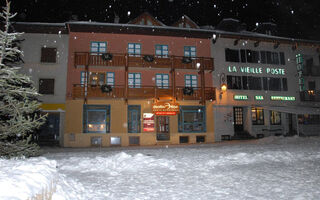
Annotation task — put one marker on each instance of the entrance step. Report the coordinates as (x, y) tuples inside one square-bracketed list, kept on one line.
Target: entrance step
[(243, 135)]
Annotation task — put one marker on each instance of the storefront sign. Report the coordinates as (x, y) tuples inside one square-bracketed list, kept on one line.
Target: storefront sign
[(282, 98), (257, 70), (240, 97), (165, 108), (148, 122), (259, 98)]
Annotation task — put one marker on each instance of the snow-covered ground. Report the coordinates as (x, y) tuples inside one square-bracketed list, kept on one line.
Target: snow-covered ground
[(270, 168)]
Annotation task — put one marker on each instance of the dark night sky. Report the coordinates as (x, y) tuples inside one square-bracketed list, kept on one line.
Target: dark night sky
[(295, 18)]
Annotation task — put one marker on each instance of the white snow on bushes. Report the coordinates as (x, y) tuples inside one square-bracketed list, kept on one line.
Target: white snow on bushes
[(269, 168), (25, 178)]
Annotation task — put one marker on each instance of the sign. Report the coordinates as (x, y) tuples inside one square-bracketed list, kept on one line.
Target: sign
[(257, 70), (240, 97), (165, 108), (148, 122), (282, 98), (259, 98)]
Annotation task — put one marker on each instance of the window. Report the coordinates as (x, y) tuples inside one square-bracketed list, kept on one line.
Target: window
[(274, 84), (134, 80), (282, 59), (243, 55), (134, 140), (96, 118), (115, 141), (257, 116), (254, 83), (252, 56), (46, 86), (263, 55), (191, 81), (190, 51), (284, 84), (162, 51), (234, 82), (309, 119), (98, 47), (272, 58), (134, 118), (97, 78), (232, 55), (134, 49), (48, 55), (192, 119), (275, 118), (162, 81), (110, 78), (83, 78)]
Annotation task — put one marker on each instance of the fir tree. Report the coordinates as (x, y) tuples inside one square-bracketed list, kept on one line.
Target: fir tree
[(19, 107)]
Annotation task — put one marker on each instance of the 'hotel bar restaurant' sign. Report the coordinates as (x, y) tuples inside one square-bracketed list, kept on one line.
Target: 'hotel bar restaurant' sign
[(165, 108)]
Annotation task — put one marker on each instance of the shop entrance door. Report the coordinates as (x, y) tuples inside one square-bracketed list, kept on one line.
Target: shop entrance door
[(238, 119), (163, 128), (49, 132)]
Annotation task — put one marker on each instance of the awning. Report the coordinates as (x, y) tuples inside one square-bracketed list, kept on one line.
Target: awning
[(300, 110)]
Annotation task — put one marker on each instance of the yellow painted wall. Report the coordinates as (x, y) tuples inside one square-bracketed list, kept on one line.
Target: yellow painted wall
[(74, 113)]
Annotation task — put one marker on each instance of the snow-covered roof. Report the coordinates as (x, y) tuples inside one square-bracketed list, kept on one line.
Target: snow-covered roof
[(40, 27)]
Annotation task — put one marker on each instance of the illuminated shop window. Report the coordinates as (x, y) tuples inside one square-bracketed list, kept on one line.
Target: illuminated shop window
[(275, 118), (257, 116), (192, 119), (96, 118)]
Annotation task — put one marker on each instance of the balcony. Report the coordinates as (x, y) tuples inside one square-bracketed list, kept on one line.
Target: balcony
[(311, 96), (144, 92), (122, 60)]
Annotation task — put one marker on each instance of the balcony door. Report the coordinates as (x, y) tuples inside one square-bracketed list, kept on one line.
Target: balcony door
[(163, 128)]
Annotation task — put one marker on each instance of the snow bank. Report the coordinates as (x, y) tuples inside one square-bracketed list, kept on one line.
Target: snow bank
[(26, 178)]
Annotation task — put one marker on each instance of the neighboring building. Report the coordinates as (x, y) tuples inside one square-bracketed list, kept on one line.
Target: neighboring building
[(141, 83), (45, 49), (261, 75)]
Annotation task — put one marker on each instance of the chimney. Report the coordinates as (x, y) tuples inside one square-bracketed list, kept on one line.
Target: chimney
[(116, 18)]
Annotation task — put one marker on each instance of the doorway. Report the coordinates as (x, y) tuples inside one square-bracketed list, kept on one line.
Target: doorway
[(49, 132), (163, 133), (238, 119)]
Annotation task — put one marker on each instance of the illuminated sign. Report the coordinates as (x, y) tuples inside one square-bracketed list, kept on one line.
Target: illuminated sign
[(282, 98), (259, 98), (148, 122), (240, 97), (257, 70), (165, 108)]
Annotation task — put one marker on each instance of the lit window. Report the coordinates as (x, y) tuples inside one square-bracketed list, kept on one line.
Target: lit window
[(96, 118), (257, 116), (275, 118)]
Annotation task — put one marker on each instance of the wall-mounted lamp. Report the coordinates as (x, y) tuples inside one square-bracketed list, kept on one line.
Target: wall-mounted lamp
[(214, 38), (223, 85), (256, 44), (236, 42)]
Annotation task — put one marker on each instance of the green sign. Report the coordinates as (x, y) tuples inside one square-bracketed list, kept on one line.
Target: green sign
[(257, 70), (259, 98), (282, 98), (240, 97)]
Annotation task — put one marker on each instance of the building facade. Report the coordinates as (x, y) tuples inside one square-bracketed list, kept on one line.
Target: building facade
[(264, 88), (133, 84), (45, 49)]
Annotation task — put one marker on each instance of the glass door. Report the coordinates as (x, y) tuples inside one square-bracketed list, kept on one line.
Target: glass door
[(163, 128)]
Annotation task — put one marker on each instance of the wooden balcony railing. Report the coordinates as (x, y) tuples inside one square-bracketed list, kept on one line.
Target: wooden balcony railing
[(121, 60), (144, 92), (311, 95)]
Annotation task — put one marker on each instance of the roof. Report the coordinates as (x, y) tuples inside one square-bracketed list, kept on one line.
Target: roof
[(98, 27), (146, 18), (186, 20), (39, 27)]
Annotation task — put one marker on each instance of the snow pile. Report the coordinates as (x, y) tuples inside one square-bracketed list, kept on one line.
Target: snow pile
[(116, 164), (26, 178)]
